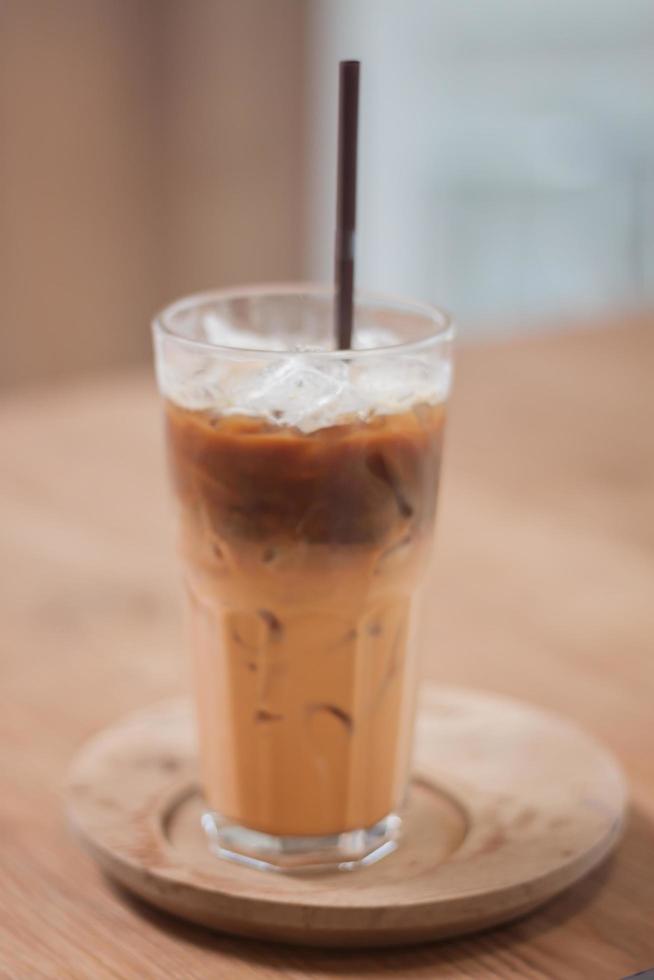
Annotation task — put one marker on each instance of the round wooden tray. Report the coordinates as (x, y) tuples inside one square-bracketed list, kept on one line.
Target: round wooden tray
[(509, 805)]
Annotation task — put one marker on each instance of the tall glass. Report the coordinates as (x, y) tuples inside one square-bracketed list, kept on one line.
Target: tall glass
[(307, 480)]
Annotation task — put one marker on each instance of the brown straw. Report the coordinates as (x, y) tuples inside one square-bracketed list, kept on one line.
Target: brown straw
[(346, 203)]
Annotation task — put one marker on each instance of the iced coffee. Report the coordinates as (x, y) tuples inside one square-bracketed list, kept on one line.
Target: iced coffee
[(307, 513)]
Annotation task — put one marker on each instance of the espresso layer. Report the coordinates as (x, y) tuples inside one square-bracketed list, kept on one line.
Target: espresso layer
[(345, 484)]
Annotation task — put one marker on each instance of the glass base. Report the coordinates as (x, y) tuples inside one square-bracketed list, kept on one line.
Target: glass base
[(342, 852)]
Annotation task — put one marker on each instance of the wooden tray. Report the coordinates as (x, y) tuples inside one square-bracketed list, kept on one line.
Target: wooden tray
[(509, 806)]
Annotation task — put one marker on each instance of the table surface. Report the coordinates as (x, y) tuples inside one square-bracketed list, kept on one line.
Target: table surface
[(541, 588)]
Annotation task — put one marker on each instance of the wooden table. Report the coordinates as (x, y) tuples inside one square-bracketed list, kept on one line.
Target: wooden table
[(542, 588)]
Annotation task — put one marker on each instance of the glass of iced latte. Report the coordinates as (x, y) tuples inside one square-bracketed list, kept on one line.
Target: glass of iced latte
[(307, 480)]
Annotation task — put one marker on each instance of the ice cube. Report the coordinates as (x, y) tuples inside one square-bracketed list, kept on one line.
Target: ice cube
[(394, 384), (192, 380), (298, 393), (301, 389)]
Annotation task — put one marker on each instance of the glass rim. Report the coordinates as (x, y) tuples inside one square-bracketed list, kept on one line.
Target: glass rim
[(441, 321)]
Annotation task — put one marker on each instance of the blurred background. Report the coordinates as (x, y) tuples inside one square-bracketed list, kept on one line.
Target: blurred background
[(151, 148)]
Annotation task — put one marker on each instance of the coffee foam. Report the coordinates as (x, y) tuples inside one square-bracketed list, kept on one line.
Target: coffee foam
[(300, 389)]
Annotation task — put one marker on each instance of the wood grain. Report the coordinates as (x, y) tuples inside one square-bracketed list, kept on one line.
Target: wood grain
[(541, 589), (508, 807)]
